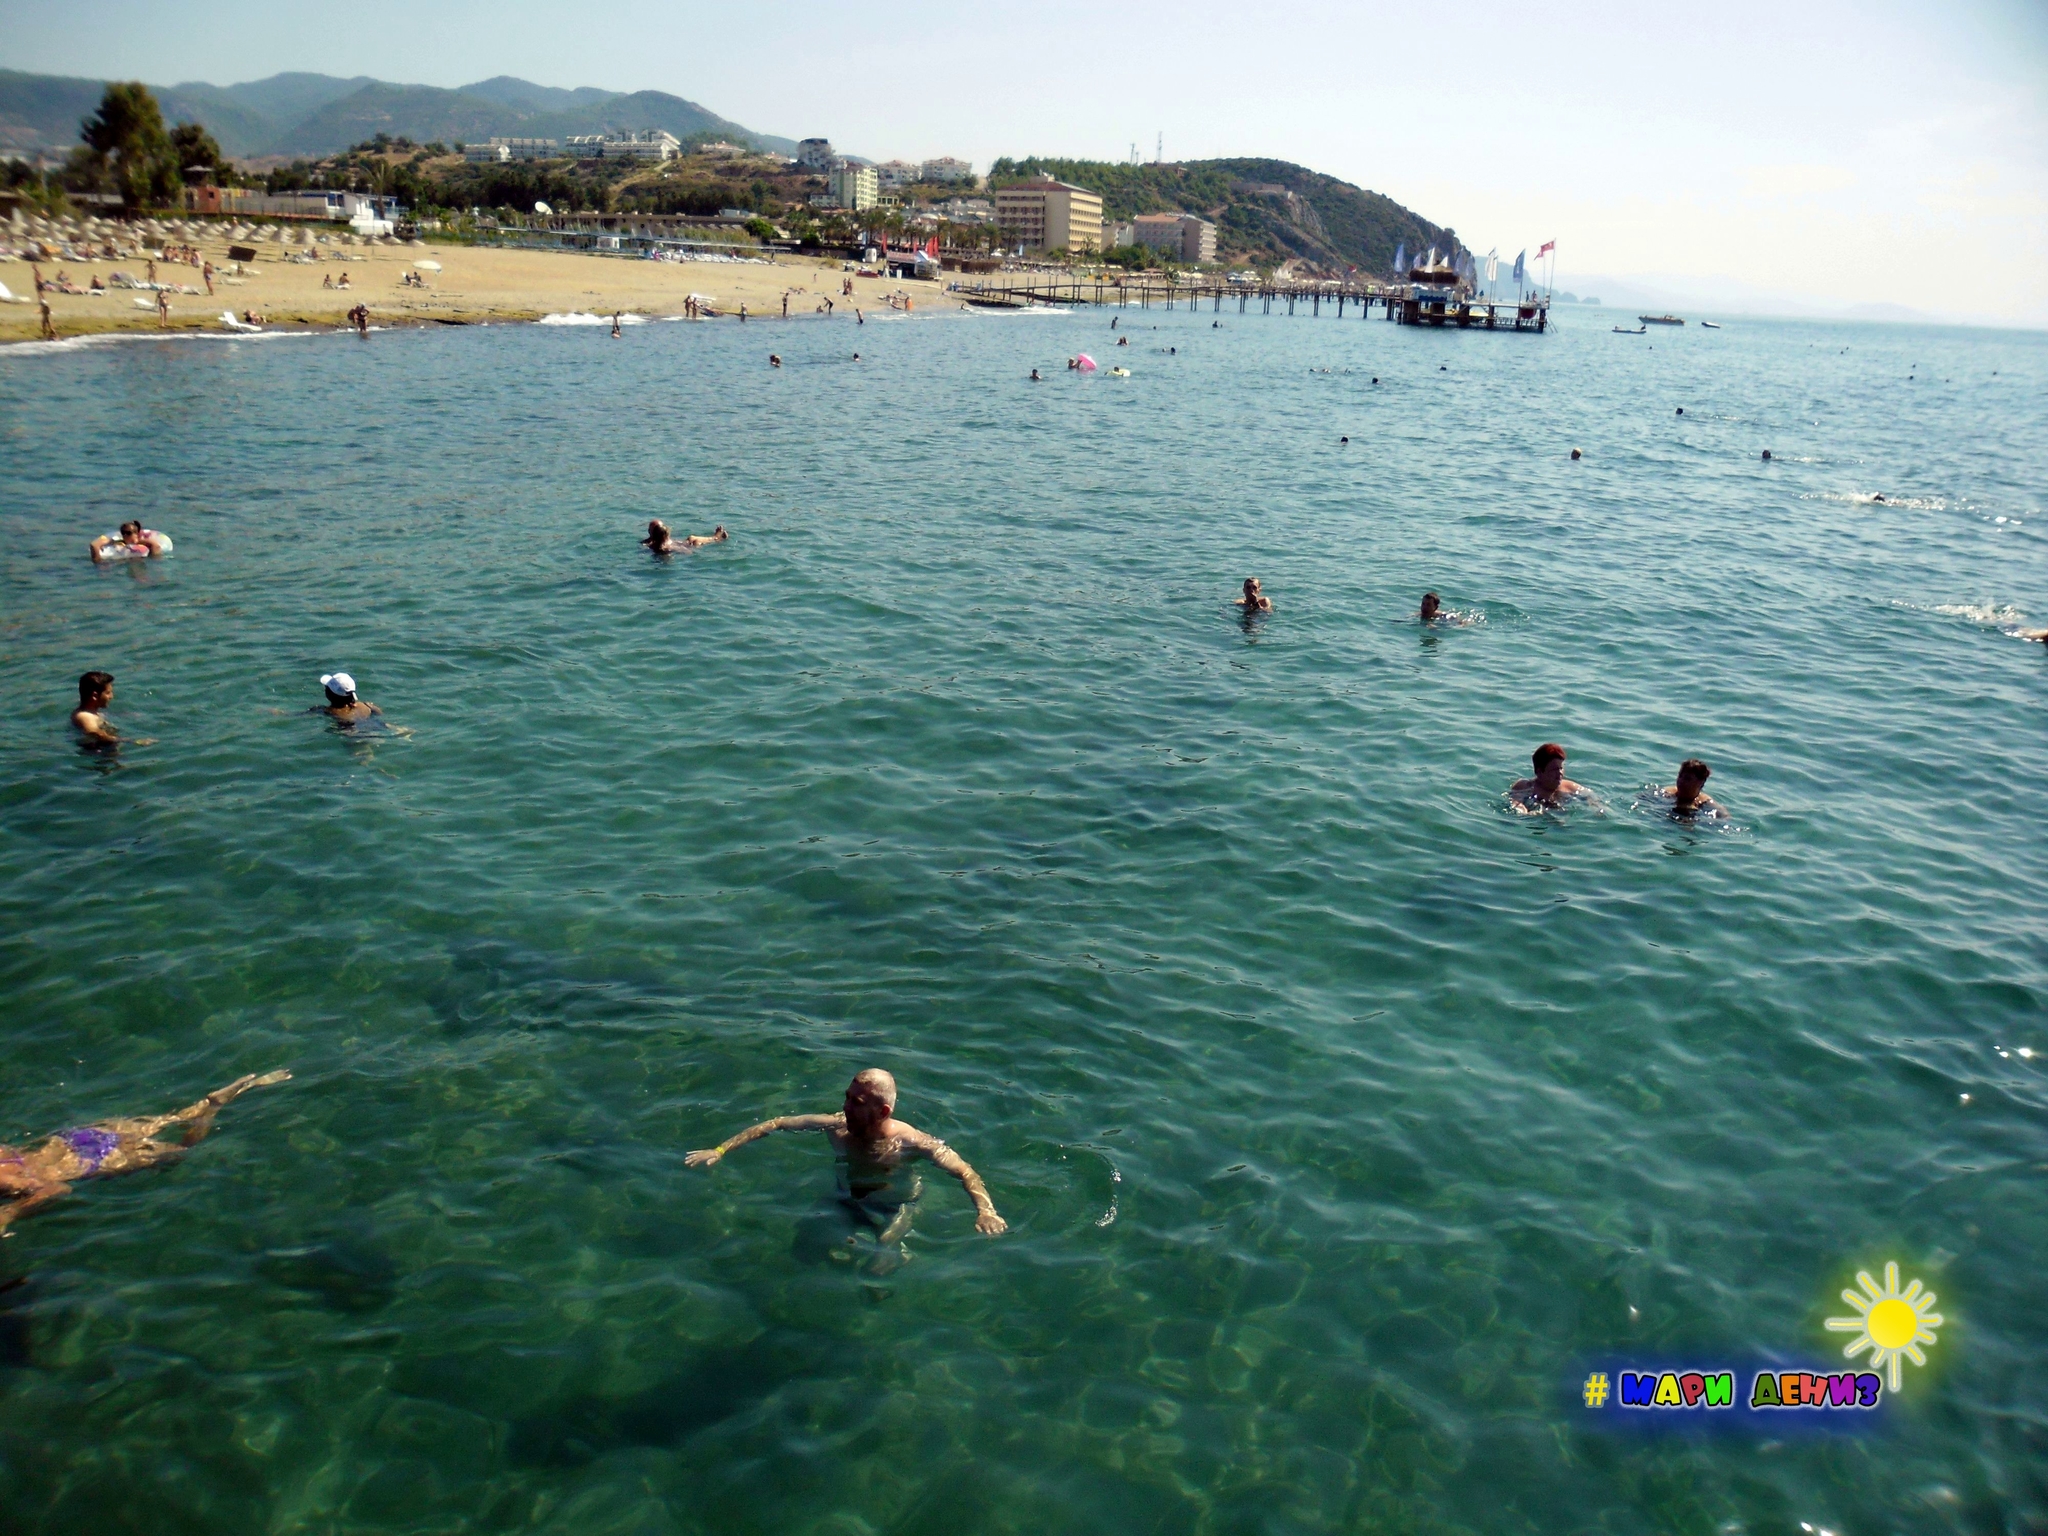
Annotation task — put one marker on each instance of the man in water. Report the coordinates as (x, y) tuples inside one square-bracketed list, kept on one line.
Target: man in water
[(35, 1178), (95, 693), (1432, 605), (1548, 788), (1253, 601), (342, 703), (877, 1192), (1035, 378), (774, 360), (663, 542), (1687, 796)]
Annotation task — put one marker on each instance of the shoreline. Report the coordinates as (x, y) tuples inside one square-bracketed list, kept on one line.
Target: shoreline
[(477, 285)]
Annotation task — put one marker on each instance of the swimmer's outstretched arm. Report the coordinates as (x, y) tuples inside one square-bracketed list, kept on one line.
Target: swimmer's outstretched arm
[(948, 1161), (706, 1157), (40, 1197)]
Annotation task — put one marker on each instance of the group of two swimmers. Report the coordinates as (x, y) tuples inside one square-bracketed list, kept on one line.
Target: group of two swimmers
[(96, 692), (877, 1186)]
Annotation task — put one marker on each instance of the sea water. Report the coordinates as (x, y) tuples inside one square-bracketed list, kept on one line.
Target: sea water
[(1345, 1120)]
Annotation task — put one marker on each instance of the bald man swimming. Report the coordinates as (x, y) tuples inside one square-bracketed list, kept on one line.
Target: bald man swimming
[(870, 1147)]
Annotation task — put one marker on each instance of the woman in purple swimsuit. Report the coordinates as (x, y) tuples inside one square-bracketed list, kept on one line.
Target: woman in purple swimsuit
[(35, 1178)]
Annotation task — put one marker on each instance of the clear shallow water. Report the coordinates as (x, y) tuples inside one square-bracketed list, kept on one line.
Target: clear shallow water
[(1341, 1118)]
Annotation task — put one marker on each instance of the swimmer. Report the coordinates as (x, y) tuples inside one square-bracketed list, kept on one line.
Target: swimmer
[(1681, 410), (774, 360), (870, 1147), (1432, 605), (662, 542), (1576, 455), (1767, 455), (856, 357), (1878, 497), (1375, 378), (1035, 379), (1253, 601), (1687, 796), (95, 693), (1342, 440), (35, 1178), (1549, 788), (1123, 341), (342, 703), (133, 541)]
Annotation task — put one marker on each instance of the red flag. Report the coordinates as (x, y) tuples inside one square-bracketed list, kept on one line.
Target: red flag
[(1545, 249)]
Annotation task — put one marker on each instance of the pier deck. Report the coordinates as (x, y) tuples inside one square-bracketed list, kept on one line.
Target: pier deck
[(1401, 303)]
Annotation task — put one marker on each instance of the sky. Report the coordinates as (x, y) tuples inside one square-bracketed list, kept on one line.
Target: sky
[(1886, 152)]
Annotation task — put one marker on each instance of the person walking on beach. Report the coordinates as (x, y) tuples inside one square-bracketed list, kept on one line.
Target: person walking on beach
[(206, 272), (877, 1192), (1548, 788), (785, 304), (743, 313), (31, 1179), (1253, 601), (163, 310), (49, 330)]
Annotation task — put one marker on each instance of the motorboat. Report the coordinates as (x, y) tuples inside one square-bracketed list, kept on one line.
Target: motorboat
[(1622, 330), (1709, 325), (1660, 319)]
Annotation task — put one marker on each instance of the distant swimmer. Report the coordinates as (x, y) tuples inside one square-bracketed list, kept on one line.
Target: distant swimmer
[(1035, 377), (1767, 455), (774, 360), (1879, 496), (856, 357), (1215, 325), (1681, 410), (876, 1192), (33, 1178), (1548, 788), (342, 703), (1253, 601), (133, 542), (1576, 455), (1113, 320), (663, 542), (1342, 440), (1375, 378), (617, 330), (95, 693), (1432, 605), (1123, 341), (1688, 796)]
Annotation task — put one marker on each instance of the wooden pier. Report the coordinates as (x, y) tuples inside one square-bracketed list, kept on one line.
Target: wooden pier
[(1402, 303)]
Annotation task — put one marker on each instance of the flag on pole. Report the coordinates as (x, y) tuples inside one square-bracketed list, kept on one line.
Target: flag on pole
[(1492, 265), (1518, 267), (1547, 248), (1401, 259)]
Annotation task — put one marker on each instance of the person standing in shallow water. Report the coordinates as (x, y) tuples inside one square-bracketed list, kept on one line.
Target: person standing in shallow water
[(1253, 601), (877, 1191), (34, 1178)]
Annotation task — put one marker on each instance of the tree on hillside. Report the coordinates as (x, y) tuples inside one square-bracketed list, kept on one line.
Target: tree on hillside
[(126, 136)]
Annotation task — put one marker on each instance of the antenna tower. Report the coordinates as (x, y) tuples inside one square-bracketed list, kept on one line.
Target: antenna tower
[(1159, 150)]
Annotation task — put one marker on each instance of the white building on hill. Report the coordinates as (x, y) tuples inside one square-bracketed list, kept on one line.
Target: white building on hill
[(657, 145), (946, 170)]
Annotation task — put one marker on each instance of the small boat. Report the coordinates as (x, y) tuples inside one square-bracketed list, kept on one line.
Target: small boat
[(1622, 330), (1710, 325), (1660, 319)]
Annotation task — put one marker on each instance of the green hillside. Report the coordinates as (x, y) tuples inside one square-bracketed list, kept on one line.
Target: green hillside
[(308, 114), (1265, 211)]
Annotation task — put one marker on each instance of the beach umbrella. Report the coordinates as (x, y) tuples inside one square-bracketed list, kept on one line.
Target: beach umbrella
[(428, 266)]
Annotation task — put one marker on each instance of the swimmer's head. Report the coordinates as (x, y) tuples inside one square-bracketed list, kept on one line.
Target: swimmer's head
[(1431, 603), (1767, 454), (1692, 778), (656, 528), (131, 530), (341, 688), (1576, 454), (95, 687), (1550, 752), (870, 1097), (1251, 586)]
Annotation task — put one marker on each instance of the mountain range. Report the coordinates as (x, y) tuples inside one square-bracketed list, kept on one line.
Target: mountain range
[(309, 115)]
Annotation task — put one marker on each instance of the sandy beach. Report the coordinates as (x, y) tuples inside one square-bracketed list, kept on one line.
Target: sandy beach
[(474, 284)]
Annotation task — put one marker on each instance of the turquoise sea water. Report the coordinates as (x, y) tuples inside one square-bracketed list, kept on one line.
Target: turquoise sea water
[(1343, 1119)]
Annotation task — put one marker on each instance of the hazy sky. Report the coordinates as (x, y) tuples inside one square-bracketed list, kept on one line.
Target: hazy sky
[(1888, 151)]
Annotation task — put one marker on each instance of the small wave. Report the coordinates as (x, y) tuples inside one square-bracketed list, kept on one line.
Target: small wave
[(578, 317), (1879, 499), (1995, 615)]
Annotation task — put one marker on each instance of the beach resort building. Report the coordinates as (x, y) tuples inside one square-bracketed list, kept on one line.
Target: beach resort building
[(816, 155), (967, 210), (855, 186), (897, 174), (512, 149), (1047, 215), (1180, 235), (946, 171), (719, 149), (657, 145)]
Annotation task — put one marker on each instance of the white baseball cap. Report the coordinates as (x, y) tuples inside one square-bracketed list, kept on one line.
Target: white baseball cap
[(338, 682)]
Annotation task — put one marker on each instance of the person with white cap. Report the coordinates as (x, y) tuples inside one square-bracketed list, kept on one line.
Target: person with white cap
[(342, 703)]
